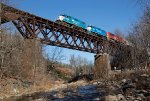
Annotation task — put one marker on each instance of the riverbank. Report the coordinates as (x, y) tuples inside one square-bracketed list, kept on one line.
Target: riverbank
[(58, 85), (135, 87), (17, 86)]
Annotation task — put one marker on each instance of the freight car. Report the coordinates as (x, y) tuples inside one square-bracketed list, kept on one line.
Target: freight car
[(72, 22), (114, 37)]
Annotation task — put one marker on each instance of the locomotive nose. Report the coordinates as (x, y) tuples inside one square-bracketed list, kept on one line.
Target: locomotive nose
[(89, 28), (61, 18)]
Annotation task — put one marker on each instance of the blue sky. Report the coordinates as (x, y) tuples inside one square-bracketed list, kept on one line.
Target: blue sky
[(106, 14)]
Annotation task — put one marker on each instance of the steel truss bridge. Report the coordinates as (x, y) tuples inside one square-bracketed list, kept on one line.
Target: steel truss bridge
[(51, 33)]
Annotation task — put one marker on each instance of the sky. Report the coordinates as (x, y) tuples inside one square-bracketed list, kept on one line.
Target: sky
[(105, 14)]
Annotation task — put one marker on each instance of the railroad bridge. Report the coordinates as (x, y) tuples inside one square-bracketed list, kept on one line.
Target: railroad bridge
[(49, 32)]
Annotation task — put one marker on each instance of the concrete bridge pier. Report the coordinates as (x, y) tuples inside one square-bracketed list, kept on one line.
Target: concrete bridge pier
[(102, 66)]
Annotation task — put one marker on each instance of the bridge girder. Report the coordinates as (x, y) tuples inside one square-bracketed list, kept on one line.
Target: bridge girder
[(51, 33)]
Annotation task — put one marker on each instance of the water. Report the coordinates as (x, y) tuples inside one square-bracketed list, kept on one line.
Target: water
[(82, 93)]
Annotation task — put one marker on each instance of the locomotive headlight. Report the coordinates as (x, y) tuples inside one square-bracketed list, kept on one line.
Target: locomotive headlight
[(89, 28), (61, 18)]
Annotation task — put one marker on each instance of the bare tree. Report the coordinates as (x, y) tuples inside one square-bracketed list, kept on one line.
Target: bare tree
[(118, 32), (5, 1), (143, 3), (139, 35), (80, 64), (56, 54), (19, 58)]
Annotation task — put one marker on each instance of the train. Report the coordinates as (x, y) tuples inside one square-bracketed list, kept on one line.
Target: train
[(81, 25)]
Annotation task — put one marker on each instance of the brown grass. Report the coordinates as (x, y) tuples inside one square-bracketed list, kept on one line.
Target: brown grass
[(67, 71), (127, 74)]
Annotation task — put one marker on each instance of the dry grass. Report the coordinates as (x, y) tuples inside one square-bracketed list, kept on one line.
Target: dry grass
[(67, 71), (44, 85), (10, 90), (127, 74)]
